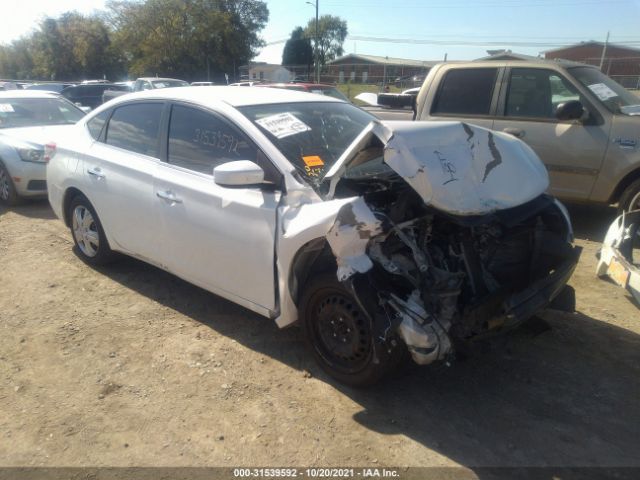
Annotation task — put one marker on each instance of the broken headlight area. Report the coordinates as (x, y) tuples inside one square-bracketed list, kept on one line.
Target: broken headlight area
[(432, 279)]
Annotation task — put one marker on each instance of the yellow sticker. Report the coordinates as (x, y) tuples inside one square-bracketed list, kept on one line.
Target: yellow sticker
[(313, 161)]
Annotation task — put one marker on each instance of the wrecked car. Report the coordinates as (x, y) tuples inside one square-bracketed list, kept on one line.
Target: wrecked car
[(379, 238), (619, 257)]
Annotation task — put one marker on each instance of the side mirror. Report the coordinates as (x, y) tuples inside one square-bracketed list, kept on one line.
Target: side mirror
[(571, 110), (238, 173)]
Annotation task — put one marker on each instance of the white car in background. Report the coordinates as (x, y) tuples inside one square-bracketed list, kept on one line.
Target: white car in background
[(27, 120), (380, 238)]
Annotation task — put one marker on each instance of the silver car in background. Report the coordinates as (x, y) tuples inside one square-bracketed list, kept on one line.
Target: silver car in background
[(27, 119)]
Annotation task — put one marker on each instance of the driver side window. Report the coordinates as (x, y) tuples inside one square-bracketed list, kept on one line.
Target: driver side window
[(536, 93), (200, 141)]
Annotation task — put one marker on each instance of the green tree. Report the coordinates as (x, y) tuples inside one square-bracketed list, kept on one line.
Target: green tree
[(332, 31), (187, 38), (297, 50)]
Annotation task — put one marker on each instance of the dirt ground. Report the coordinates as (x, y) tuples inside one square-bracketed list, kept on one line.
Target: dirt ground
[(129, 365)]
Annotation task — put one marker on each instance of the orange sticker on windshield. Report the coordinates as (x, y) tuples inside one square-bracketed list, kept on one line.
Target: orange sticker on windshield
[(313, 161)]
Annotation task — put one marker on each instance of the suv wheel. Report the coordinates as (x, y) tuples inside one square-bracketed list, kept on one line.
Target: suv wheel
[(630, 198)]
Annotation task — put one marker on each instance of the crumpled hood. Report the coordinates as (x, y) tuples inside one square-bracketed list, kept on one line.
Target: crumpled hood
[(33, 135), (455, 167)]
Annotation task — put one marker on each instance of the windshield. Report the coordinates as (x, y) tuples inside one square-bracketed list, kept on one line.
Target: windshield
[(612, 95), (33, 112), (169, 83), (312, 136)]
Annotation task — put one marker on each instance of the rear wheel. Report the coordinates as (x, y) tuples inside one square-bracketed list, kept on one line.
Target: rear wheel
[(88, 235), (339, 334), (8, 195)]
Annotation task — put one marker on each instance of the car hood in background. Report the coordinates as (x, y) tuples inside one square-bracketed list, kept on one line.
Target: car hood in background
[(35, 135), (455, 167)]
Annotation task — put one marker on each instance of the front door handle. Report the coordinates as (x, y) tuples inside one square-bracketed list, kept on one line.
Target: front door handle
[(516, 132), (96, 172), (169, 196)]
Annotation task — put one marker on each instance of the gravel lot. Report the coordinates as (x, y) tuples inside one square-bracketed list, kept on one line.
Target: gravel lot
[(129, 365)]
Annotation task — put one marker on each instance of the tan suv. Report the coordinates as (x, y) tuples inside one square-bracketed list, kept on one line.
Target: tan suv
[(584, 126)]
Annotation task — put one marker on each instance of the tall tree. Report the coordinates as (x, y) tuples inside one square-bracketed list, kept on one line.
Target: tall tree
[(297, 50), (187, 38), (332, 31)]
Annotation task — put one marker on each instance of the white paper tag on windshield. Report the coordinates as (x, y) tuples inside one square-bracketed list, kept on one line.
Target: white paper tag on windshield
[(283, 125), (6, 108), (602, 91)]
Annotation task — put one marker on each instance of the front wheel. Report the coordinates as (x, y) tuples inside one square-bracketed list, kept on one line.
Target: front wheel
[(339, 334), (630, 198), (88, 235), (8, 195)]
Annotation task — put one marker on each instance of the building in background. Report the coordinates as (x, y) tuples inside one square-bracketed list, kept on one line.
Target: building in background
[(373, 69), (266, 72), (620, 63)]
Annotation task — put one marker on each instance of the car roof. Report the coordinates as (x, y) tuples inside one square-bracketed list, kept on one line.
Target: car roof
[(519, 63), (233, 96), (154, 79), (320, 86), (27, 94)]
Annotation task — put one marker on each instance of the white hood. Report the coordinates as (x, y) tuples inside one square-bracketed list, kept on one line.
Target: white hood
[(455, 167), (35, 135)]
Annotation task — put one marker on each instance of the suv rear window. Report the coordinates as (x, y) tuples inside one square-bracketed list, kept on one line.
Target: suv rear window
[(466, 91)]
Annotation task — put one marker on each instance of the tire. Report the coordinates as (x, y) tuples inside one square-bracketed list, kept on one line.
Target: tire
[(88, 235), (8, 195), (339, 336), (630, 198)]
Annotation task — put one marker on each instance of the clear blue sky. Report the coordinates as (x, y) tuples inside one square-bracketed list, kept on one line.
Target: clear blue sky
[(478, 23)]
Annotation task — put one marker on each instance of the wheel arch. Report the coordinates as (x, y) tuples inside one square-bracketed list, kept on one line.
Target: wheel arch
[(69, 194), (313, 257), (627, 180)]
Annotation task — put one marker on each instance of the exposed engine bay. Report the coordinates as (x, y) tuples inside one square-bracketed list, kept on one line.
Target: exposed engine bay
[(434, 279)]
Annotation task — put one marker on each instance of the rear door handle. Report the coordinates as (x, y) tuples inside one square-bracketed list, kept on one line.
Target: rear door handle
[(169, 196), (516, 132), (96, 172)]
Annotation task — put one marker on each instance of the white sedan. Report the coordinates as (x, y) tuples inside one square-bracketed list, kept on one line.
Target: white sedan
[(381, 238), (27, 120)]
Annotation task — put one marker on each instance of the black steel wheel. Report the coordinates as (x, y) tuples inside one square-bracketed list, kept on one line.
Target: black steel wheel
[(339, 333)]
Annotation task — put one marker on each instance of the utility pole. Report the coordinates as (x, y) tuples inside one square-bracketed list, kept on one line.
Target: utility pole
[(315, 54), (604, 51)]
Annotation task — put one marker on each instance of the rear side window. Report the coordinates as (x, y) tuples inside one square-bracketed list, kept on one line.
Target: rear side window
[(466, 91), (96, 124), (135, 127), (201, 141)]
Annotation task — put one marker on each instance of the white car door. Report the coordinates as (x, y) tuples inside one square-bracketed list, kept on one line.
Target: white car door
[(119, 169), (219, 238)]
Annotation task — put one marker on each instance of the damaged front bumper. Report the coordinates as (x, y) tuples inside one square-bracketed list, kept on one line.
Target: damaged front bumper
[(524, 304), (616, 254)]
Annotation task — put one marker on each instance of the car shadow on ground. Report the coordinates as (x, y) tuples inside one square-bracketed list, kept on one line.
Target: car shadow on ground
[(560, 396), (39, 208), (591, 222)]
